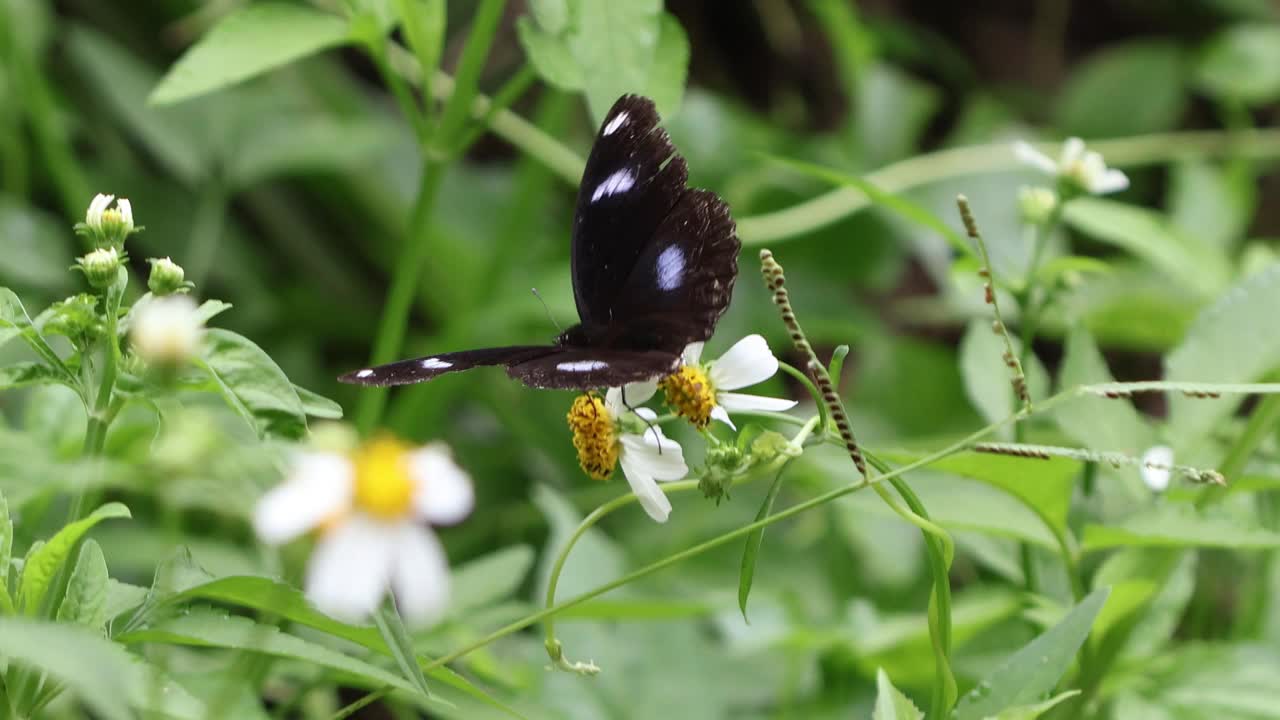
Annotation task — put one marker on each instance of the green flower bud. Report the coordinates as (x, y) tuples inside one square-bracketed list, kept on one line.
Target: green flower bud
[(167, 277), (100, 267), (106, 225), (1037, 204), (75, 318)]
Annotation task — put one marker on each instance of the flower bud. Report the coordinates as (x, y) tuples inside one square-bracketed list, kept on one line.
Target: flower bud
[(100, 267), (1037, 204), (166, 331), (167, 277), (106, 225)]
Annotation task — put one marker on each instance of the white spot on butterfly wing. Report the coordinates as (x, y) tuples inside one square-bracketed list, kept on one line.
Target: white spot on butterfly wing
[(435, 364), (619, 181), (670, 268), (582, 365), (615, 123), (364, 373)]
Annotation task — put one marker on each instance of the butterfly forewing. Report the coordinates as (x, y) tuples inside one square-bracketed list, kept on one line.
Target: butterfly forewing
[(632, 179), (405, 372)]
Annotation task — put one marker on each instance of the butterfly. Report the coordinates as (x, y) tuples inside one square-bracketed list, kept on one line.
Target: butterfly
[(653, 264)]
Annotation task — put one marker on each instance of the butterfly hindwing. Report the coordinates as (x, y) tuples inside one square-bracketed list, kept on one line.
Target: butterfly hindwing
[(426, 368), (633, 177)]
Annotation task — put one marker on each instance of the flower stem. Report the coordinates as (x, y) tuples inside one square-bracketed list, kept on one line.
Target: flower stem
[(404, 281)]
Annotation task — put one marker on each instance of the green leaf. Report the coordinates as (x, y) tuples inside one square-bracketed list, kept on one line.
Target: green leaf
[(550, 56), (85, 601), (102, 674), (318, 406), (751, 549), (490, 578), (121, 598), (1097, 422), (207, 628), (1227, 342), (6, 556), (33, 248), (42, 565), (1199, 681), (249, 42), (1211, 205), (297, 144), (1031, 712), (891, 704), (615, 45), (253, 385), (987, 380), (670, 66), (1241, 63), (1034, 669), (22, 374), (1182, 525), (552, 15), (1147, 234), (1101, 98), (400, 644), (14, 322)]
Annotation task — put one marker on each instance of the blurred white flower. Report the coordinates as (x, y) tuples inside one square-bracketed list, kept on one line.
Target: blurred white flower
[(700, 391), (166, 330), (1083, 168), (604, 441), (1157, 466), (371, 508)]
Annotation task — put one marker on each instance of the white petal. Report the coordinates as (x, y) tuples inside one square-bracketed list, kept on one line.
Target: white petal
[(1028, 155), (692, 353), (651, 497), (638, 393), (742, 401), (126, 212), (746, 363), (1157, 478), (420, 577), (443, 493), (1072, 150), (351, 568), (1111, 181), (100, 202), (719, 413), (646, 414), (319, 487), (653, 454)]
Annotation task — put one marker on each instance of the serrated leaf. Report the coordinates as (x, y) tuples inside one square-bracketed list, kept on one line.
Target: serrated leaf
[(85, 601), (550, 56), (1228, 342), (15, 323), (102, 674), (248, 42), (253, 385), (1182, 525), (1035, 668), (43, 564), (23, 374), (615, 45), (891, 704)]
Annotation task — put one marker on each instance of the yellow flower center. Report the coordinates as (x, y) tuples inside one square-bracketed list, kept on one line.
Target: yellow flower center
[(594, 436), (383, 486), (689, 392)]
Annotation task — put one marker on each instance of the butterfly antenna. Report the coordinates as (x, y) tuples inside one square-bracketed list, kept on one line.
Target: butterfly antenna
[(648, 424), (546, 309)]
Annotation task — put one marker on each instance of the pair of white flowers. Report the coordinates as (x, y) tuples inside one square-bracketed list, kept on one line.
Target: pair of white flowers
[(698, 391), (373, 506)]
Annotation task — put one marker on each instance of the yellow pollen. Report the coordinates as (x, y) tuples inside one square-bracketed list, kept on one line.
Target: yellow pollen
[(689, 393), (112, 216), (383, 486), (594, 436)]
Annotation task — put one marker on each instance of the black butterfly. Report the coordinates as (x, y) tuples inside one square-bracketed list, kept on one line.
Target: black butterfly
[(653, 266)]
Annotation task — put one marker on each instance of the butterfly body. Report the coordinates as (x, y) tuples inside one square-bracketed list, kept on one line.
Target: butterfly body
[(653, 264)]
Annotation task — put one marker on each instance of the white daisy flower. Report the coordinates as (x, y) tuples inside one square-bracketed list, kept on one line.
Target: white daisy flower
[(1157, 466), (166, 330), (107, 224), (1083, 168), (700, 391), (606, 436), (370, 509)]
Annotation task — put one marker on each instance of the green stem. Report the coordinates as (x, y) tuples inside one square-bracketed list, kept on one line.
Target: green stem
[(404, 282)]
